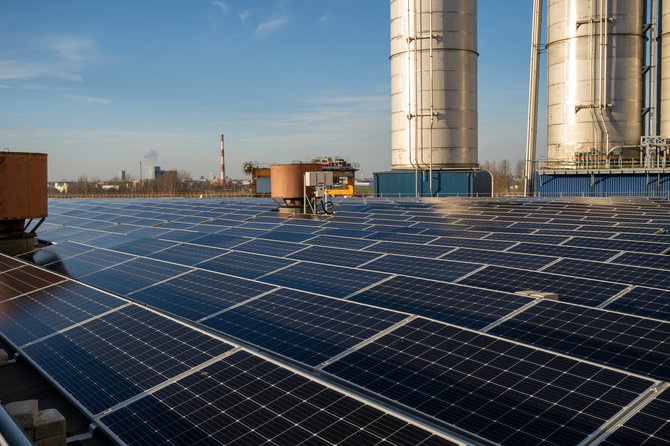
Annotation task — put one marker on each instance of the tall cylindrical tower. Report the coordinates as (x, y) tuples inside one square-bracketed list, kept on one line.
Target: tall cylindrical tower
[(664, 70), (595, 57), (433, 84)]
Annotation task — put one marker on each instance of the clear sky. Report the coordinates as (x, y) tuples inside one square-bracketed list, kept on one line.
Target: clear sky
[(98, 85)]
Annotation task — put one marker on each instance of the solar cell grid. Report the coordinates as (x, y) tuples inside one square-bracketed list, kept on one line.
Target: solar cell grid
[(409, 249), (650, 426), (501, 391), (623, 245), (334, 256), (7, 263), (569, 289), (25, 279), (219, 240), (185, 254), (627, 342), (573, 252), (143, 246), (420, 267), (525, 261), (303, 327), (243, 399), (247, 265), (398, 237), (110, 359), (614, 273), (50, 309), (493, 245), (529, 238), (644, 302), (660, 238), (456, 304), (133, 275), (270, 247), (340, 242), (318, 278), (286, 236)]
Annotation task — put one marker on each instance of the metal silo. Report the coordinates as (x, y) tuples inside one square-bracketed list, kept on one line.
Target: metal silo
[(595, 57), (664, 70), (433, 84)]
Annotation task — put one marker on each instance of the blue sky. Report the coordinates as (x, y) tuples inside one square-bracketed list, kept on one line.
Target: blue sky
[(98, 84)]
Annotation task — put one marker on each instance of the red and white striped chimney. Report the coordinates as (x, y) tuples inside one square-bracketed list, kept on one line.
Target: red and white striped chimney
[(223, 168)]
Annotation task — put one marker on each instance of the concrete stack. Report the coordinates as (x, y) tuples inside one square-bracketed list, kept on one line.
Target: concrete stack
[(4, 358), (44, 427)]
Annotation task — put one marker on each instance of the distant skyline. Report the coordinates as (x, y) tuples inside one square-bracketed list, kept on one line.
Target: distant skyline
[(99, 86)]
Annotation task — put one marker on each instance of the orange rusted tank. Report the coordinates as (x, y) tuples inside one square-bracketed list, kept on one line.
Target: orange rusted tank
[(23, 185), (287, 181)]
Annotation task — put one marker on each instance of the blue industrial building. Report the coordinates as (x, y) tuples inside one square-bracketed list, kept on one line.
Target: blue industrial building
[(604, 183), (445, 183)]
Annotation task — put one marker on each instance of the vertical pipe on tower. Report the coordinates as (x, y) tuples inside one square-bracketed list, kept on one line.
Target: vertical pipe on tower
[(223, 171)]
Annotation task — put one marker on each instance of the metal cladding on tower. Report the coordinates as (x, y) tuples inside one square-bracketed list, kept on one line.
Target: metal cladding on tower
[(433, 84), (595, 77)]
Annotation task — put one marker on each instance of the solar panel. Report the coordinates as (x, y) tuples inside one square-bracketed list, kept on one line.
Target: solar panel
[(411, 249), (243, 399), (318, 278), (186, 254), (340, 242), (7, 263), (569, 289), (398, 237), (419, 267), (50, 309), (526, 261), (612, 273), (460, 305), (286, 236), (133, 275), (498, 390), (650, 426), (627, 342), (528, 238), (218, 240), (25, 279), (657, 261), (306, 328), (623, 245), (198, 294), (645, 302), (143, 246), (115, 357), (572, 252), (247, 265), (493, 245), (270, 247), (334, 256)]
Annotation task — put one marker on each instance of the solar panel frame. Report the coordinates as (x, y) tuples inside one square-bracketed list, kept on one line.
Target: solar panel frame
[(245, 265), (435, 269), (632, 275)]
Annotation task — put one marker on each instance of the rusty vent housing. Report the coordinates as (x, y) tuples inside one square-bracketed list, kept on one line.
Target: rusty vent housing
[(287, 181), (23, 185)]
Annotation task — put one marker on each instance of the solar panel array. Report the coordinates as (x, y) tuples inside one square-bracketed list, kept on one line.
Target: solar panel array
[(391, 321)]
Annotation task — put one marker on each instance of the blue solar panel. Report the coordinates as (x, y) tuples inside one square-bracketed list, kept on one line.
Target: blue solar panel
[(242, 264), (498, 390), (50, 309), (334, 256), (303, 327), (270, 247), (569, 289), (612, 273), (645, 302), (410, 249), (627, 342), (623, 245), (219, 240), (108, 360), (419, 267), (133, 275), (658, 261), (649, 427), (398, 237), (494, 245), (243, 399), (460, 305), (188, 255), (143, 246), (198, 294), (526, 261), (340, 242), (324, 279), (565, 251)]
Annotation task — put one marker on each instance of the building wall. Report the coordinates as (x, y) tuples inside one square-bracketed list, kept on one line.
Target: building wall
[(603, 185), (461, 183)]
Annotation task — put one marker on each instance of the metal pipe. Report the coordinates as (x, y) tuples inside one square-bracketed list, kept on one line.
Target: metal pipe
[(531, 135), (604, 45), (223, 171), (430, 134), (409, 101), (10, 430), (652, 67)]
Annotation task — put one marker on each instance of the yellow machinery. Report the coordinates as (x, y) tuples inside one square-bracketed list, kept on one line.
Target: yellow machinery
[(258, 172)]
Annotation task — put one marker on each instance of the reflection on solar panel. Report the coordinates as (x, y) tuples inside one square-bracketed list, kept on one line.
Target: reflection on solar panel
[(243, 399), (648, 427), (614, 273), (25, 279), (569, 289), (419, 267), (334, 256), (199, 293), (456, 304), (270, 247), (242, 264), (143, 246), (304, 327), (526, 261), (324, 279), (645, 302), (501, 391), (626, 342), (110, 359), (133, 275), (647, 260), (7, 263), (50, 309), (87, 262)]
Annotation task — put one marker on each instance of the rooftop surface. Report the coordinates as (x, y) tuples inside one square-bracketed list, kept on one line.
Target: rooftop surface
[(404, 321)]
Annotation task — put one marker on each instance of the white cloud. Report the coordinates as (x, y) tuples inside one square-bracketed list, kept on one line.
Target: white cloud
[(87, 99), (221, 5), (244, 15), (72, 48), (271, 25)]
